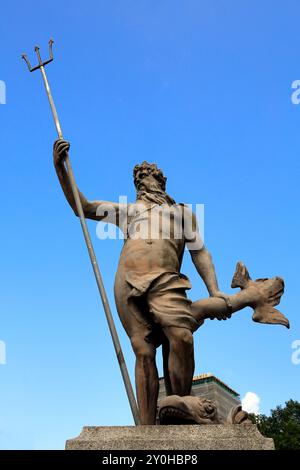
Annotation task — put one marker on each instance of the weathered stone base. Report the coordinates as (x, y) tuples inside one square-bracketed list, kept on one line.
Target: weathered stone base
[(183, 437)]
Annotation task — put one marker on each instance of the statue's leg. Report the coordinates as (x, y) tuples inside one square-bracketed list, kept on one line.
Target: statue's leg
[(146, 378), (132, 315), (181, 363), (165, 355)]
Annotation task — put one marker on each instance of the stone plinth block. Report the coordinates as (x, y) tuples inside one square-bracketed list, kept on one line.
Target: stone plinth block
[(172, 437)]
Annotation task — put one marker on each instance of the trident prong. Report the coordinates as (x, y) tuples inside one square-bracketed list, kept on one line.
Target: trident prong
[(41, 63)]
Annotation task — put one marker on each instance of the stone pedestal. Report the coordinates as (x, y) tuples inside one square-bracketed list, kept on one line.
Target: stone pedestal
[(184, 437)]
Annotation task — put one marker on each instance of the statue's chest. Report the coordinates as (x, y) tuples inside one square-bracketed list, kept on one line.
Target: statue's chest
[(156, 222)]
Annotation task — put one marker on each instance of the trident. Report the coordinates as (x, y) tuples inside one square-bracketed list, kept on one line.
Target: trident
[(87, 237)]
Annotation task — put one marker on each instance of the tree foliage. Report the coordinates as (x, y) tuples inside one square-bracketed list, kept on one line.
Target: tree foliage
[(283, 425)]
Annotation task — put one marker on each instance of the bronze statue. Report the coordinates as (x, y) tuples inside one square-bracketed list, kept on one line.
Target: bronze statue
[(150, 291)]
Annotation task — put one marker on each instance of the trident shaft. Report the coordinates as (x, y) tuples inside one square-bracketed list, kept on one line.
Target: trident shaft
[(87, 238)]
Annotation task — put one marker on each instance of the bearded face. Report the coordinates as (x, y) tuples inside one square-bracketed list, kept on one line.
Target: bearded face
[(150, 184)]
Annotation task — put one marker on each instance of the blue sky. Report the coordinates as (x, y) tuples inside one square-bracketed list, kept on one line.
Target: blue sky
[(203, 88)]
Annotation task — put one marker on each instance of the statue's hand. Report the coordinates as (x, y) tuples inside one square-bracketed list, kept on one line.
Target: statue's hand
[(220, 316), (225, 297), (218, 293), (60, 151)]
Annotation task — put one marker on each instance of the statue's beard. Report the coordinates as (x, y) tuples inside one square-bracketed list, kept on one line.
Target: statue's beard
[(154, 195)]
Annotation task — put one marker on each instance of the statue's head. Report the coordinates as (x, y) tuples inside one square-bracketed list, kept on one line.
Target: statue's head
[(150, 183), (148, 172)]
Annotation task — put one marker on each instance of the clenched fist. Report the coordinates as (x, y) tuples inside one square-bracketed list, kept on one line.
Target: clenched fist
[(60, 151)]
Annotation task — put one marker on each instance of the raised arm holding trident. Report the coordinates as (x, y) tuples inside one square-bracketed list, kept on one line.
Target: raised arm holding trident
[(79, 211)]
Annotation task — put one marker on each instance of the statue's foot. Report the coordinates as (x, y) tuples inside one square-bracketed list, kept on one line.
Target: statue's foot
[(187, 410), (264, 293)]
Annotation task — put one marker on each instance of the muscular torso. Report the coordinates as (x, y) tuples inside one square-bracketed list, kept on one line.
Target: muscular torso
[(154, 242), (151, 255)]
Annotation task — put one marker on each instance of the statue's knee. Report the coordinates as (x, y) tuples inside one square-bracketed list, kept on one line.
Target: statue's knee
[(181, 338), (144, 351)]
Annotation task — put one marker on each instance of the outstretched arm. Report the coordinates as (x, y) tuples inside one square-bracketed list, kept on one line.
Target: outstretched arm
[(219, 305), (262, 295), (96, 210), (203, 263), (201, 257)]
